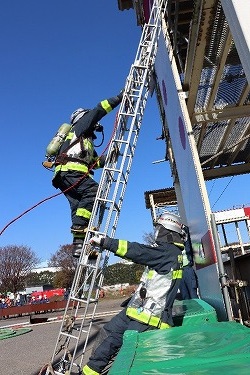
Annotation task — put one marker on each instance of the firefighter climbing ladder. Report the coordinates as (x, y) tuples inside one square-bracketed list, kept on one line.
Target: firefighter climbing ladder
[(75, 328)]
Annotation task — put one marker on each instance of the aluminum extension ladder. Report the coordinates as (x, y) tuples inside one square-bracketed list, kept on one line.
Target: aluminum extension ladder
[(81, 307)]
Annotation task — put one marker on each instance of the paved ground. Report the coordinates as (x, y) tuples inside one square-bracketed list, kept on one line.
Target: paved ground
[(28, 353)]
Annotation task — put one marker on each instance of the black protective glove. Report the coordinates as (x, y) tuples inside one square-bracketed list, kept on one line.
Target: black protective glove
[(102, 160), (114, 154)]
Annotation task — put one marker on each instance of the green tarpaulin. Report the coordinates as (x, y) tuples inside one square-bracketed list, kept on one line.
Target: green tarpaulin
[(206, 348)]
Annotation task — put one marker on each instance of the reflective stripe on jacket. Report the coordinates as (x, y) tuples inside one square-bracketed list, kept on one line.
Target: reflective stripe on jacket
[(83, 150), (161, 278), (149, 309), (71, 166)]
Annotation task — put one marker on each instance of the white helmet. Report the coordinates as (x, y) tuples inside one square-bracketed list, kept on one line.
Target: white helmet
[(171, 222), (77, 114)]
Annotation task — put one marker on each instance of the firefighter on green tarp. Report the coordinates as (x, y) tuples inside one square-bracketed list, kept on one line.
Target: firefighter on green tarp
[(150, 307), (74, 163)]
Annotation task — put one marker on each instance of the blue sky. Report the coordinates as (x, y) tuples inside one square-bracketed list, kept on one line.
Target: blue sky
[(57, 56)]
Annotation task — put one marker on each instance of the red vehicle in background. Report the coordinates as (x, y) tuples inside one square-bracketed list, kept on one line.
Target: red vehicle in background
[(46, 295)]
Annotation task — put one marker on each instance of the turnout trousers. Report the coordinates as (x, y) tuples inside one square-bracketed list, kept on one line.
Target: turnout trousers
[(189, 283), (109, 341), (81, 195)]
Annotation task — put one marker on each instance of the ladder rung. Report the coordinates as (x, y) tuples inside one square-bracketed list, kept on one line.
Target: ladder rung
[(120, 141), (105, 200), (112, 169), (84, 300), (82, 330), (69, 335)]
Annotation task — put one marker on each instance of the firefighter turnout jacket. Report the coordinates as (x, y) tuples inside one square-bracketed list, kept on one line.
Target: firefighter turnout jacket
[(153, 300), (77, 152)]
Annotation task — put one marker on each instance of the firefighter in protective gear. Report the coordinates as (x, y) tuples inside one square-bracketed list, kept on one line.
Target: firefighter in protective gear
[(189, 282), (150, 307), (74, 163)]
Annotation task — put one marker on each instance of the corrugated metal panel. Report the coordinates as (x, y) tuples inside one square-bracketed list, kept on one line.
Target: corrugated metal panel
[(161, 197), (218, 92), (212, 74)]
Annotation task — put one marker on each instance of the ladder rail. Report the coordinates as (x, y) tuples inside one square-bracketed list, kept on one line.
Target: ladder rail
[(149, 36), (134, 128), (89, 275)]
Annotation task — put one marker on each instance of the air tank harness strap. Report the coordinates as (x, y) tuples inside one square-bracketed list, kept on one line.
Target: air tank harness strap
[(63, 159)]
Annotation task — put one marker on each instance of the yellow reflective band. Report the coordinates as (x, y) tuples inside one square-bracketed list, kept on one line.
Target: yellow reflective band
[(179, 245), (177, 274), (71, 166), (150, 274), (142, 317), (70, 136), (122, 248), (105, 105), (88, 371), (83, 213), (164, 326), (88, 145), (180, 258)]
